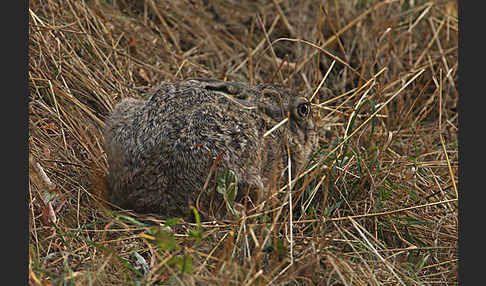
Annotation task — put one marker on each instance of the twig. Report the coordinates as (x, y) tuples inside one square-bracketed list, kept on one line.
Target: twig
[(378, 213), (442, 138)]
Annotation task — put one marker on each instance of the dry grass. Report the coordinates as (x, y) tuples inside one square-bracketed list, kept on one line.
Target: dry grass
[(378, 202)]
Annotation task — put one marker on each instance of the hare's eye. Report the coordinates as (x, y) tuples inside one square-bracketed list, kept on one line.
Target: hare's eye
[(303, 109)]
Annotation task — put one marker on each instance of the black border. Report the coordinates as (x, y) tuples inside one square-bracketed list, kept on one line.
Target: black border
[(15, 119), (471, 205)]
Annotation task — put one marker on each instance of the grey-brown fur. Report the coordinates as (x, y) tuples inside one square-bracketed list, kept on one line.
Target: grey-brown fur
[(160, 149)]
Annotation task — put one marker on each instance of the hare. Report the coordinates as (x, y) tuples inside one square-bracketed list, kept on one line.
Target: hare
[(160, 149)]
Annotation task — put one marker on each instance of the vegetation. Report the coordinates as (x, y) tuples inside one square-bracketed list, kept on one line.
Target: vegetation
[(377, 204)]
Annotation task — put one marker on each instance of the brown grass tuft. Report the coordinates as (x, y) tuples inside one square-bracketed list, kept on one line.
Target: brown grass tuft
[(377, 204)]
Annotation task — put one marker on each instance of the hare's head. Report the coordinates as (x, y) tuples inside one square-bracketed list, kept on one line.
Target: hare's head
[(288, 114), (283, 114)]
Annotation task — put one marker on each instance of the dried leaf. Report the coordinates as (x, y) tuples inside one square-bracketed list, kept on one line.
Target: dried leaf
[(143, 74)]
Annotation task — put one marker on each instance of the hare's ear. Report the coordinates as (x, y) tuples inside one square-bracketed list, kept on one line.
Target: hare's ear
[(272, 95), (224, 87), (272, 103), (234, 89)]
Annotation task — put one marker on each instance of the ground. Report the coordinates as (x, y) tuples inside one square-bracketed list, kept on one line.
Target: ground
[(377, 204)]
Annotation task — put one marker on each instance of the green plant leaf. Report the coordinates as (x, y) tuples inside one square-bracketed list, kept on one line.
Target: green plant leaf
[(164, 239), (182, 262), (196, 234), (172, 221), (228, 187)]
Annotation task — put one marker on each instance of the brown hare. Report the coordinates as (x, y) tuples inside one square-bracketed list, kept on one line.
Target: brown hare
[(160, 149)]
